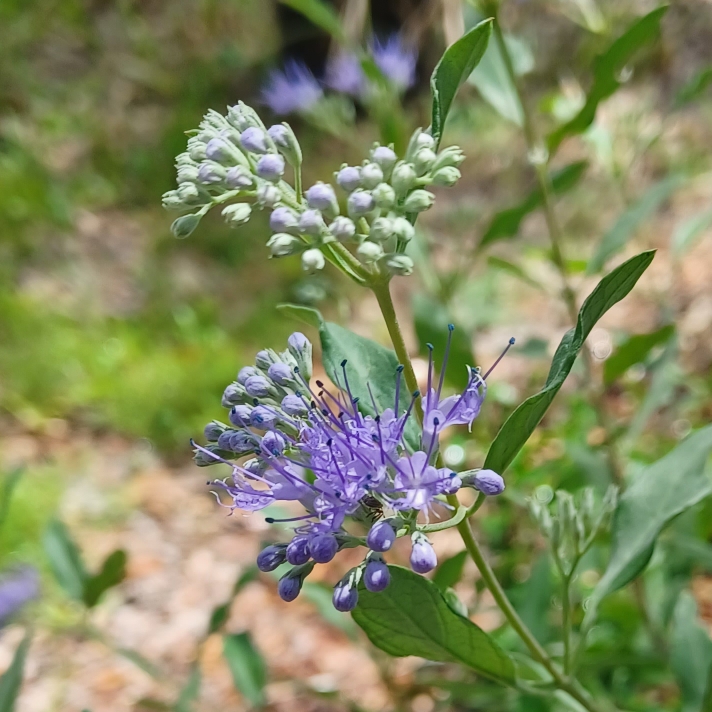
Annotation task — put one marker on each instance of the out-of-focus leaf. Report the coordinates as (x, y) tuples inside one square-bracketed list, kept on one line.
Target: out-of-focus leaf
[(522, 422), (452, 70), (64, 559), (625, 227), (492, 79), (431, 327), (506, 223), (450, 571), (307, 315), (514, 270), (690, 653), (692, 89), (659, 493), (247, 666), (455, 603), (320, 597), (320, 13), (112, 572), (9, 483), (138, 660), (634, 350), (585, 13), (412, 617), (190, 691), (221, 613), (687, 232), (606, 72), (11, 680), (532, 599)]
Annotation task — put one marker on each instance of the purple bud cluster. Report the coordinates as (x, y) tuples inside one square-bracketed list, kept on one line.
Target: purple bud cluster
[(313, 445)]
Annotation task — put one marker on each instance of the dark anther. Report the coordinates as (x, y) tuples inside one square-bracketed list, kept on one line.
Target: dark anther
[(343, 363), (320, 384)]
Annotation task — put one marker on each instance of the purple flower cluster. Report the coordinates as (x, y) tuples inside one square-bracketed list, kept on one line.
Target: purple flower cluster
[(316, 447), (16, 589), (295, 89)]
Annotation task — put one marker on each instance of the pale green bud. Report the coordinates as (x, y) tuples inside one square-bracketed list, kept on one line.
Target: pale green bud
[(424, 160), (282, 244), (403, 178), (403, 230), (418, 201), (187, 173), (196, 149), (313, 260), (188, 192), (172, 201), (242, 116), (286, 143), (418, 140), (384, 196), (237, 214), (400, 265), (450, 156), (268, 195), (381, 229), (184, 226), (369, 252), (371, 175), (184, 159), (447, 176)]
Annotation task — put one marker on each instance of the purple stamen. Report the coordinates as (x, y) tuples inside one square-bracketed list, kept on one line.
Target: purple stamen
[(399, 371), (450, 329), (430, 368), (501, 356)]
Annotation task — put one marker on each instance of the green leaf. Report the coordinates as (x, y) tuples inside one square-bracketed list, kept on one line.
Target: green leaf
[(319, 13), (659, 493), (112, 572), (306, 315), (184, 226), (634, 350), (688, 231), (627, 224), (9, 483), (368, 365), (65, 559), (492, 78), (454, 67), (690, 653), (11, 680), (514, 270), (522, 422), (450, 571), (506, 223), (606, 72), (247, 666), (431, 327), (412, 617), (190, 690), (692, 89)]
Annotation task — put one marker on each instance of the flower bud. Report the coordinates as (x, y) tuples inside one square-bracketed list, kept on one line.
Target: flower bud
[(424, 160), (369, 252), (238, 178), (419, 140), (274, 442), (265, 358), (418, 201), (184, 226), (294, 406), (371, 175), (422, 554), (280, 373), (268, 195), (255, 466), (486, 481), (237, 441), (289, 587), (376, 577), (321, 197), (343, 229), (384, 196), (233, 394), (286, 143), (381, 536), (218, 149), (254, 140), (263, 417), (184, 159), (172, 201), (211, 173), (301, 349), (257, 386), (345, 596), (298, 551), (313, 260), (349, 178), (311, 222), (385, 157), (450, 156), (213, 431), (242, 116), (188, 192), (245, 372), (403, 229), (196, 150), (281, 245), (240, 415), (447, 176), (187, 174), (270, 167), (283, 220), (360, 203), (402, 266), (237, 214), (323, 548), (381, 229), (205, 459), (272, 557), (403, 178)]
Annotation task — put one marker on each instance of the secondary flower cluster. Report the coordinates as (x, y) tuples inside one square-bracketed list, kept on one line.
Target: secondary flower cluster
[(317, 447), (296, 90), (237, 158)]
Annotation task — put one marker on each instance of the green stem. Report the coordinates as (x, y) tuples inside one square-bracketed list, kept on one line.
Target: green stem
[(566, 621)]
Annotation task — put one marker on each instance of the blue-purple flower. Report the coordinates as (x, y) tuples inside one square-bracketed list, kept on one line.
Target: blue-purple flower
[(16, 589), (291, 90), (345, 74), (395, 60)]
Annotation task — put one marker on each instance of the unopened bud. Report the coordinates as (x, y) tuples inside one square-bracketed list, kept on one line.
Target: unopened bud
[(381, 229), (311, 222), (349, 178), (321, 196), (211, 173), (238, 178), (360, 203), (403, 230), (270, 167), (343, 228), (403, 178), (254, 140), (268, 195), (281, 245), (286, 143), (313, 260), (450, 156), (371, 175), (188, 193), (237, 214), (184, 226), (418, 201), (384, 196), (385, 157), (369, 252), (402, 266), (424, 160), (447, 176)]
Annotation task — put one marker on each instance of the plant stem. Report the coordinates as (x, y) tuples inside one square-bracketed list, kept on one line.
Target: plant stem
[(566, 621)]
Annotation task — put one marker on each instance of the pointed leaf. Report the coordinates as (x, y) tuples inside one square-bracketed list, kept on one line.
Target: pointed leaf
[(627, 224), (634, 350), (320, 14), (412, 617), (450, 571), (113, 572), (686, 233), (307, 315), (522, 422), (692, 89), (190, 690), (659, 493), (11, 680), (65, 559), (606, 72), (454, 67), (247, 666)]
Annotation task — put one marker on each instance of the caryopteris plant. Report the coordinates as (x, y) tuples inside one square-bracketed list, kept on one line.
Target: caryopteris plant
[(361, 456)]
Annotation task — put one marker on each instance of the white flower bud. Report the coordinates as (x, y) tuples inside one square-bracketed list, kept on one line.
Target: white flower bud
[(188, 192), (343, 229), (196, 149), (399, 264), (384, 156), (242, 116), (381, 229), (281, 244), (286, 142), (450, 156), (419, 140), (268, 195), (403, 230), (403, 178), (369, 252), (311, 222), (418, 201), (371, 175), (384, 196), (187, 173), (237, 214), (313, 260), (425, 140), (447, 176), (172, 201), (424, 160)]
